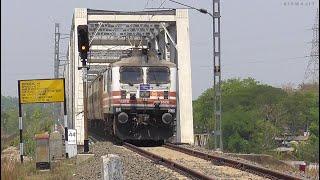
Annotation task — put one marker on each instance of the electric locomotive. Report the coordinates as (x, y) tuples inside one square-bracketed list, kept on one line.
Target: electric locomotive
[(135, 97)]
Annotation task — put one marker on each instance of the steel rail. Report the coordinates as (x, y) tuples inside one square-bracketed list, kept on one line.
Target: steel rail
[(168, 163), (260, 171)]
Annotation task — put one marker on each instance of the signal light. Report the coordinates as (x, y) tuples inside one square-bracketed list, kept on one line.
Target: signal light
[(83, 41)]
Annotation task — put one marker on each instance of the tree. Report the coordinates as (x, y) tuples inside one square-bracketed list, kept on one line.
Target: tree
[(254, 114), (37, 118)]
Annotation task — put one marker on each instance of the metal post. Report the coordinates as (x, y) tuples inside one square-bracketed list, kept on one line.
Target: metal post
[(56, 50), (56, 107), (85, 110), (217, 75), (65, 120), (20, 125)]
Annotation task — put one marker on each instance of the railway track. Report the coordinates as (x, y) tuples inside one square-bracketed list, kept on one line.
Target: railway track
[(167, 163), (260, 171), (207, 159)]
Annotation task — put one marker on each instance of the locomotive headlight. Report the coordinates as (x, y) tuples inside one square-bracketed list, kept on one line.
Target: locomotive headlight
[(123, 117), (167, 118), (171, 110)]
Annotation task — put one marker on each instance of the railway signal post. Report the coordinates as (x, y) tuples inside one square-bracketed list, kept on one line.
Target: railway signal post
[(83, 48)]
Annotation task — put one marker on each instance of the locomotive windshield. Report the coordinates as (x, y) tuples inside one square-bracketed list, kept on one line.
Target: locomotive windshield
[(158, 75), (131, 75)]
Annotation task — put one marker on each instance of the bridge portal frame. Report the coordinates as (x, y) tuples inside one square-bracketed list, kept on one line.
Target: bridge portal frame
[(179, 30)]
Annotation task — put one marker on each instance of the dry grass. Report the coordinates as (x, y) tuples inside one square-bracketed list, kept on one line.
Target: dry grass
[(313, 173), (12, 170)]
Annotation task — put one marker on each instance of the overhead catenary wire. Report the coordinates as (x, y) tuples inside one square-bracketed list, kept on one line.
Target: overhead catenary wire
[(204, 11), (162, 3), (183, 4)]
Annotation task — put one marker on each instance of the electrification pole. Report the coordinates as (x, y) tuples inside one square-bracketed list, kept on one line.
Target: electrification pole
[(56, 107), (56, 49), (218, 145)]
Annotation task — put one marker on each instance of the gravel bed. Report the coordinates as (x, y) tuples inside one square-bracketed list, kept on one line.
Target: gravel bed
[(287, 171), (203, 166), (134, 165)]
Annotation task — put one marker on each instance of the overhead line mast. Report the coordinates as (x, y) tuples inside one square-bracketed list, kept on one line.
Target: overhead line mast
[(56, 63), (312, 72), (218, 145), (56, 49)]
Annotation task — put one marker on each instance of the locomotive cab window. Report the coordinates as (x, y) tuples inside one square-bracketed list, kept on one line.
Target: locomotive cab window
[(158, 75), (131, 75)]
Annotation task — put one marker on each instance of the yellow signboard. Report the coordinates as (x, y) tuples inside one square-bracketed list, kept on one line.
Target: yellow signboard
[(41, 91)]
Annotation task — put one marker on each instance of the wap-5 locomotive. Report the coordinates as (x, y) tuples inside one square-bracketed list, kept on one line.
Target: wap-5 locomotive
[(135, 98)]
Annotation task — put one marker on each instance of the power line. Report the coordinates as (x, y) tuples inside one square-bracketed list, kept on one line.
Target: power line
[(158, 8), (204, 11), (183, 4), (146, 4), (162, 3)]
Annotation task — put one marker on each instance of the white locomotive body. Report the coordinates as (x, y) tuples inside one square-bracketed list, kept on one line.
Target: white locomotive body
[(135, 98)]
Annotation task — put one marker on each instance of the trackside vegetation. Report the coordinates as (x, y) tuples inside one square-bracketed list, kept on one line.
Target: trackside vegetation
[(254, 114), (37, 118)]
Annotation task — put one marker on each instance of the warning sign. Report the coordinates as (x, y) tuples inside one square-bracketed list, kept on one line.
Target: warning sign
[(41, 90)]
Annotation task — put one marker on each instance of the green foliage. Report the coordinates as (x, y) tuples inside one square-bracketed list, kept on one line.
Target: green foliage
[(254, 114), (8, 102), (37, 118), (237, 143), (310, 150), (297, 111), (243, 131), (9, 115)]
